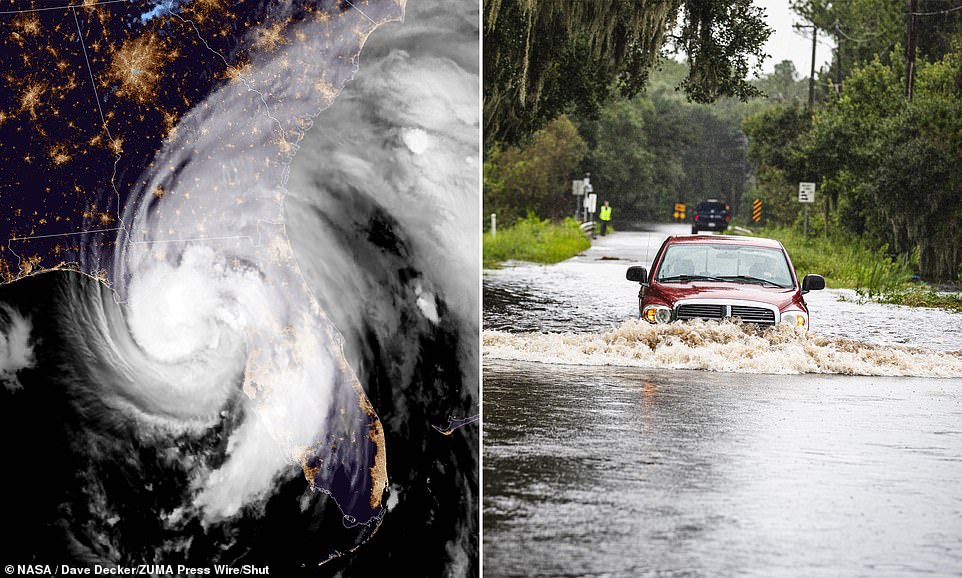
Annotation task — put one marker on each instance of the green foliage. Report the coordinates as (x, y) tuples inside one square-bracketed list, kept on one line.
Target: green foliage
[(623, 167), (866, 29), (844, 261), (658, 149), (543, 58), (863, 29), (716, 163), (774, 147), (720, 37), (924, 297), (773, 136), (783, 86), (644, 154), (886, 167), (896, 161), (536, 177), (535, 240), (849, 262)]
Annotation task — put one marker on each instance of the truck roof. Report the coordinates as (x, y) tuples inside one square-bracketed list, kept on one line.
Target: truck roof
[(725, 240)]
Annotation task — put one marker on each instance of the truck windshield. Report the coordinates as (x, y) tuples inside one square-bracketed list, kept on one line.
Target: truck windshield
[(723, 262)]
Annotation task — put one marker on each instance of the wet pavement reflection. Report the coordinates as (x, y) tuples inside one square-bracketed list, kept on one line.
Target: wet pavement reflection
[(628, 472)]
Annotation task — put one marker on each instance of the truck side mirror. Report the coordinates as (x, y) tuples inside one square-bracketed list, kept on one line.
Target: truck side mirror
[(813, 283), (639, 274)]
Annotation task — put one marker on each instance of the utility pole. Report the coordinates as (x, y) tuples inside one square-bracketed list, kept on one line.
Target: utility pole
[(587, 189), (838, 60), (811, 75), (811, 104), (838, 92), (910, 49)]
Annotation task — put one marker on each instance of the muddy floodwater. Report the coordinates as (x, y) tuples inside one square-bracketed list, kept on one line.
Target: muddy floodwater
[(614, 448), (627, 472)]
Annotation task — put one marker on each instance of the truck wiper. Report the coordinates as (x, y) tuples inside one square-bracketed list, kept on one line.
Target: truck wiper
[(687, 278), (750, 279)]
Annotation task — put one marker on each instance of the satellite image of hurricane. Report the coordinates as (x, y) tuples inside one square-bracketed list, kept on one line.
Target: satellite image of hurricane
[(239, 287)]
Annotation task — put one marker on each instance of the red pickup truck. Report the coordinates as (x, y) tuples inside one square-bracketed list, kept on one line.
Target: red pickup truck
[(722, 277)]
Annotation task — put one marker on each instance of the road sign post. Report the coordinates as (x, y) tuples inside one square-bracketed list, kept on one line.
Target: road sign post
[(591, 203), (588, 193), (578, 189), (806, 195), (680, 211)]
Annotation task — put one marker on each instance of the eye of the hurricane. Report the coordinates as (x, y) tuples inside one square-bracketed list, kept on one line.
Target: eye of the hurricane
[(178, 313)]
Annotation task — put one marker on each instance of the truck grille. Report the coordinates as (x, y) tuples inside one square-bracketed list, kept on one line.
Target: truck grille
[(758, 315), (754, 314), (701, 312)]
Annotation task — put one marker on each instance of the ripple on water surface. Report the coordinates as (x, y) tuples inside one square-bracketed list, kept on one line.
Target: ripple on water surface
[(726, 346)]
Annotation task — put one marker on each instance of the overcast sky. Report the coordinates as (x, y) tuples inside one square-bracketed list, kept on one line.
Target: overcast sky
[(786, 43)]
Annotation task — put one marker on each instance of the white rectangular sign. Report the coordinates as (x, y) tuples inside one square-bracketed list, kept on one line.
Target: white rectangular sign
[(591, 202), (806, 192), (577, 188)]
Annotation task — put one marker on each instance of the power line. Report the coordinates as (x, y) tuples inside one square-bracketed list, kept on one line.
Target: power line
[(910, 49), (811, 76), (946, 11), (865, 37)]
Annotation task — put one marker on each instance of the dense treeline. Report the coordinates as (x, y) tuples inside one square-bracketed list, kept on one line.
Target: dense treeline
[(543, 58), (887, 167), (561, 94), (644, 154)]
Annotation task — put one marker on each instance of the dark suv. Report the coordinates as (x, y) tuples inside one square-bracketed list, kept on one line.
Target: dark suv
[(710, 215)]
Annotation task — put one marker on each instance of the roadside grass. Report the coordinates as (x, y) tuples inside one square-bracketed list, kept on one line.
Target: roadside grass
[(534, 240), (844, 262), (924, 297), (848, 262)]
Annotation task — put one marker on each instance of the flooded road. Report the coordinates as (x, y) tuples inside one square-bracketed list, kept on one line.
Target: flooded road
[(589, 293), (626, 472), (604, 457)]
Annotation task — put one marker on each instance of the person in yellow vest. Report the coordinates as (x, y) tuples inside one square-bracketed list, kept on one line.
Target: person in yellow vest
[(605, 215)]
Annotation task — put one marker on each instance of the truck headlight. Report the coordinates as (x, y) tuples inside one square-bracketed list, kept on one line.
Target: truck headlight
[(794, 319), (657, 314)]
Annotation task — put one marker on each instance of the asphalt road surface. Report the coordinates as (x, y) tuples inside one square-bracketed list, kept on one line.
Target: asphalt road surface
[(775, 466)]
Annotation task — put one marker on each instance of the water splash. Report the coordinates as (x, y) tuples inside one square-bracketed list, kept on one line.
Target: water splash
[(727, 346)]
